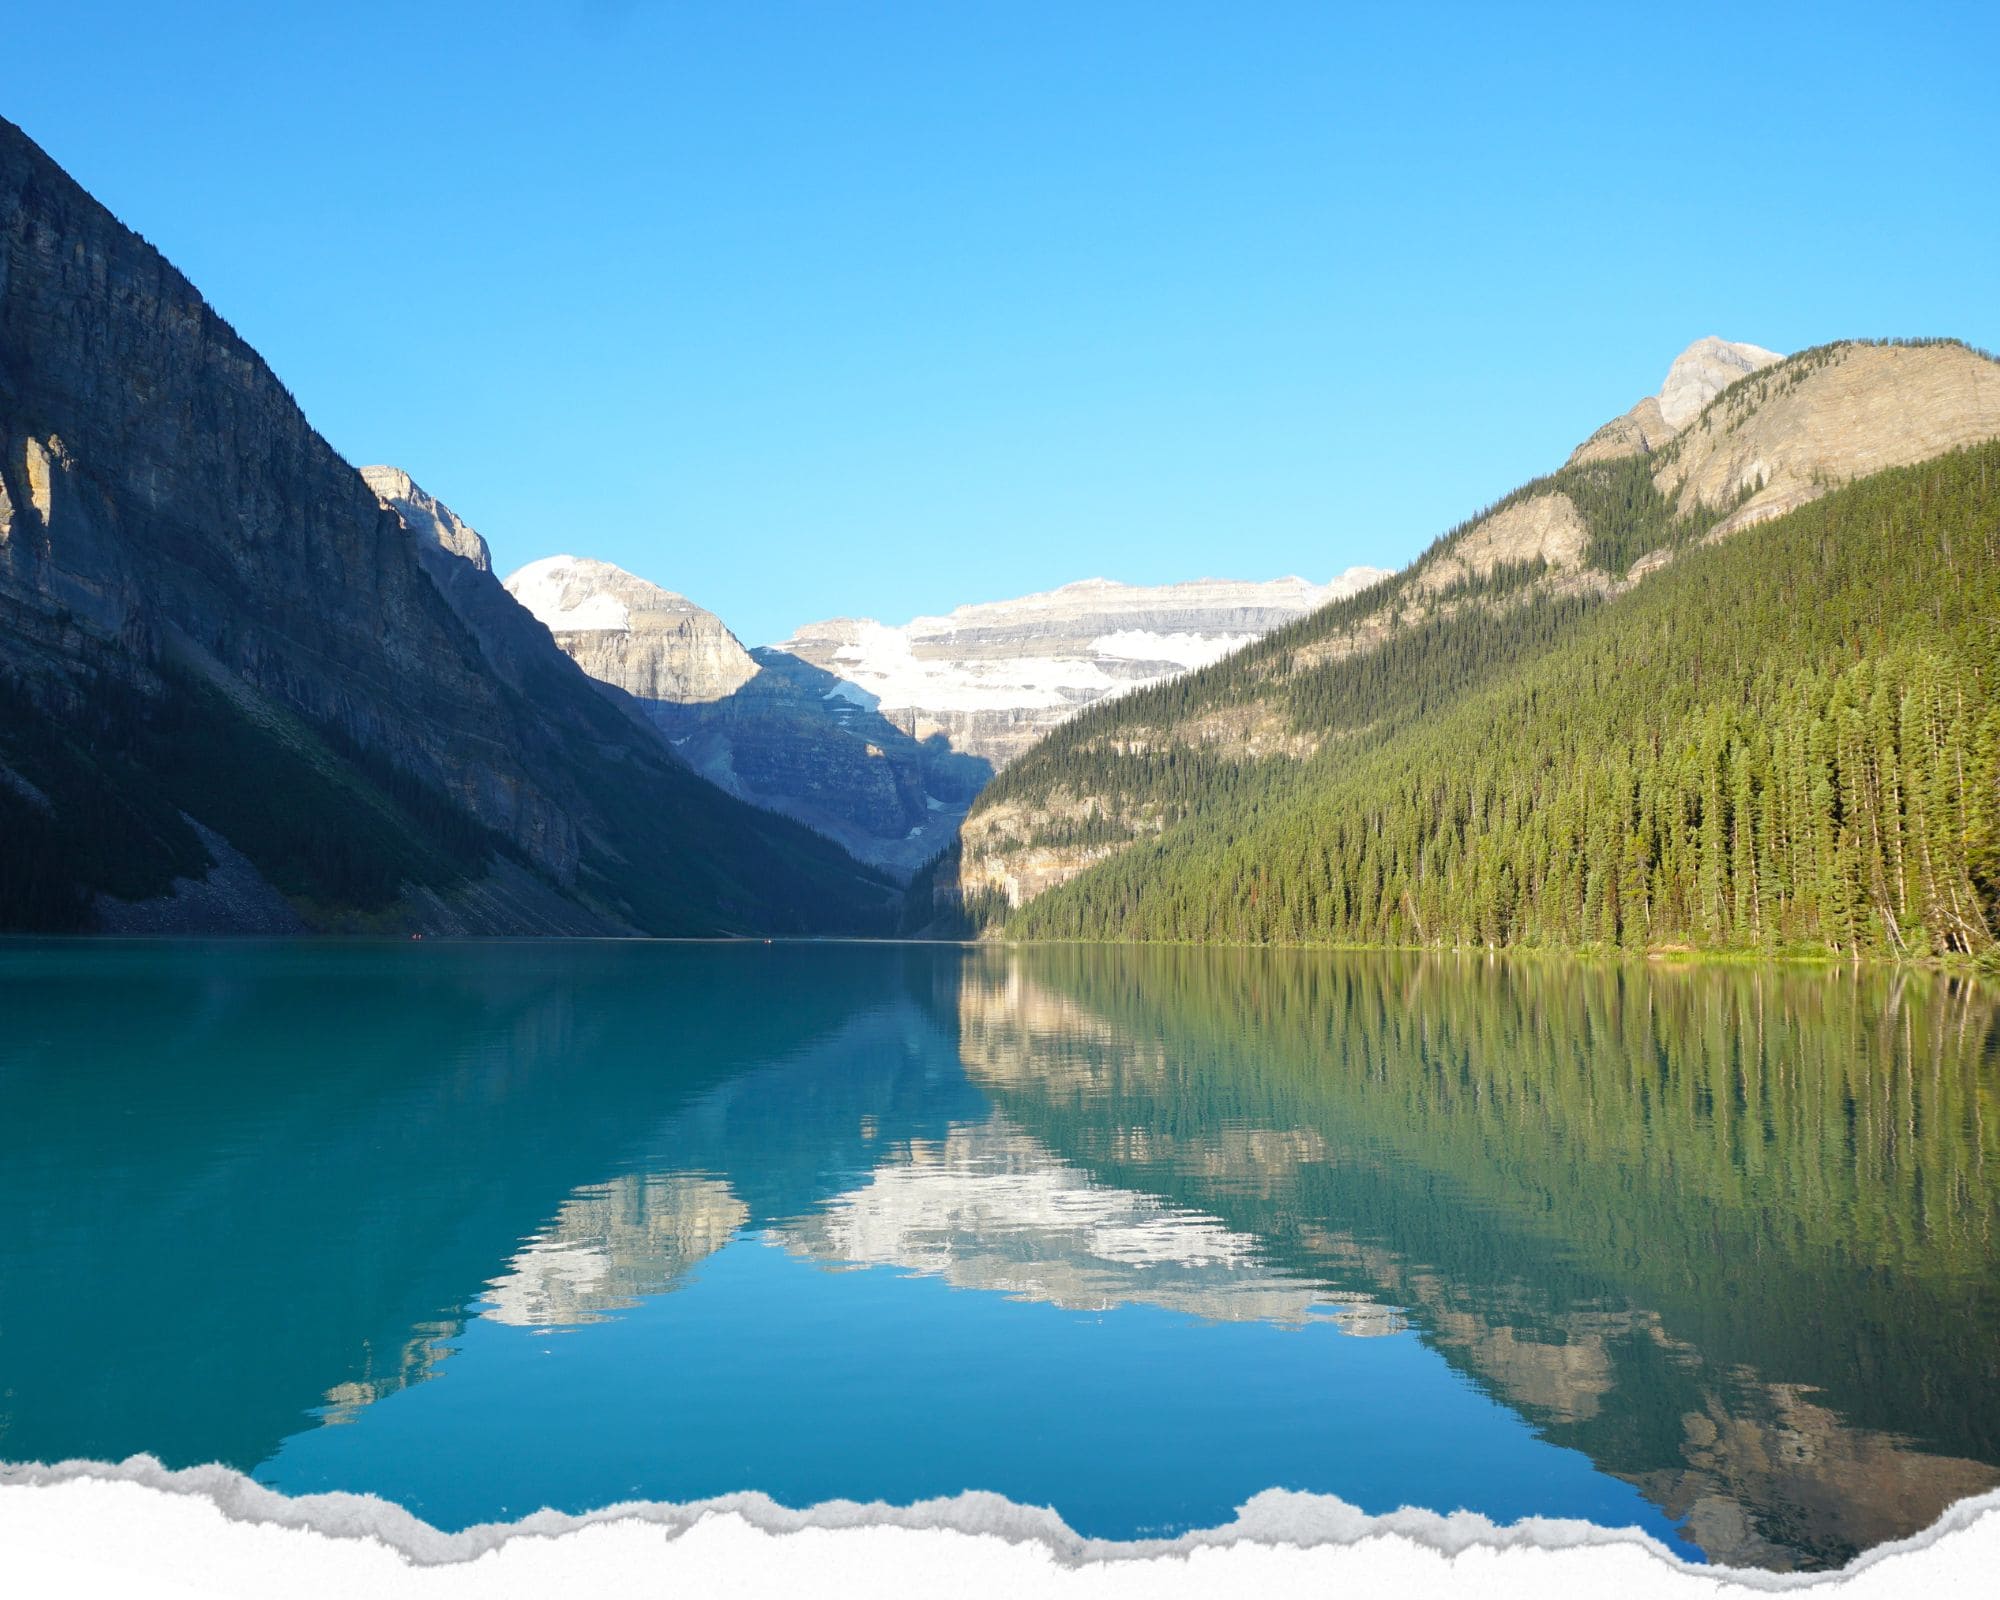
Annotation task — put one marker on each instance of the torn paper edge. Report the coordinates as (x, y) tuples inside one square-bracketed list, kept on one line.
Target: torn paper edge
[(1276, 1518)]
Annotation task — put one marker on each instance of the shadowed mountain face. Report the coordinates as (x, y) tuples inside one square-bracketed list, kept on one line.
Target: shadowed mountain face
[(1131, 1232), (241, 691), (799, 740), (765, 726)]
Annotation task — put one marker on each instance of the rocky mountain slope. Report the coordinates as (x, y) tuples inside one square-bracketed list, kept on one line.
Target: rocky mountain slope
[(430, 522), (761, 725), (1699, 373), (1507, 585), (211, 628), (1825, 417), (880, 737), (658, 646)]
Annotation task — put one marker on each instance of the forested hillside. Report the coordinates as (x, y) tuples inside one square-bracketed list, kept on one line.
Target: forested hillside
[(1434, 639), (1787, 741)]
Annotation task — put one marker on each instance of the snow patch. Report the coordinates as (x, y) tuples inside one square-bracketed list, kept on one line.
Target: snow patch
[(882, 661), (1185, 650), (559, 598)]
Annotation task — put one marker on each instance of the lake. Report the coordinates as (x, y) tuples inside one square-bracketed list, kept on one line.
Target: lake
[(1134, 1234)]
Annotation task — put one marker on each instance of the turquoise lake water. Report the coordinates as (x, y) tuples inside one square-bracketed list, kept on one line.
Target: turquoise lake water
[(1132, 1234)]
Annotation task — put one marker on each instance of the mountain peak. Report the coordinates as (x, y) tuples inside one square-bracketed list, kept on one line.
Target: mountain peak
[(1699, 373), (1702, 371), (648, 641), (426, 516)]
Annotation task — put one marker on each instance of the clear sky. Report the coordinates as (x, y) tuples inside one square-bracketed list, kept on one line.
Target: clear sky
[(821, 309)]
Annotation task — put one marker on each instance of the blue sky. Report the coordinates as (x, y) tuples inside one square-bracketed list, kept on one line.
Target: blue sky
[(821, 309)]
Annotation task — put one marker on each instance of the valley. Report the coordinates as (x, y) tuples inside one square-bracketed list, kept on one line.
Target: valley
[(1724, 679), (881, 737)]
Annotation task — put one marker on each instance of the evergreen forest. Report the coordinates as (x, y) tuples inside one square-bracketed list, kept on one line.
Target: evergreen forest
[(1787, 742)]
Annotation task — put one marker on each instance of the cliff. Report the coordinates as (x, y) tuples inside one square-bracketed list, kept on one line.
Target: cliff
[(208, 619)]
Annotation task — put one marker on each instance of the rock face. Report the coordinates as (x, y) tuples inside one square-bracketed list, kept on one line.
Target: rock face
[(650, 642), (1699, 373), (336, 686), (1809, 422), (1827, 416), (794, 739), (993, 678), (1543, 528), (762, 725), (428, 519), (1702, 371)]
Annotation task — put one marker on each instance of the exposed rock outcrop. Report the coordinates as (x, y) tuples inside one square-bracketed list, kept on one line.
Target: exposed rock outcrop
[(1828, 416), (1543, 528), (1702, 371), (1699, 373), (1639, 432), (426, 517), (232, 897), (654, 644)]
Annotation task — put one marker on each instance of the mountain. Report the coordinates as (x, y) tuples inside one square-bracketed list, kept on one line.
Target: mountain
[(656, 645), (993, 678), (1699, 373), (1732, 687), (761, 725), (246, 689), (431, 523), (881, 737)]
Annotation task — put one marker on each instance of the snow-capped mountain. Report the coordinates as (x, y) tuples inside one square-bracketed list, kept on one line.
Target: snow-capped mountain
[(882, 736), (994, 677), (649, 641)]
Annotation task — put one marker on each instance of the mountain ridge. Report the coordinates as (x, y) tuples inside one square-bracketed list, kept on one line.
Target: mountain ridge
[(208, 619), (1782, 744), (878, 736), (1600, 526)]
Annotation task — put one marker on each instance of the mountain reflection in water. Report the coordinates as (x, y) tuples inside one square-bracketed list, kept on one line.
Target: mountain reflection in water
[(1723, 1237)]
